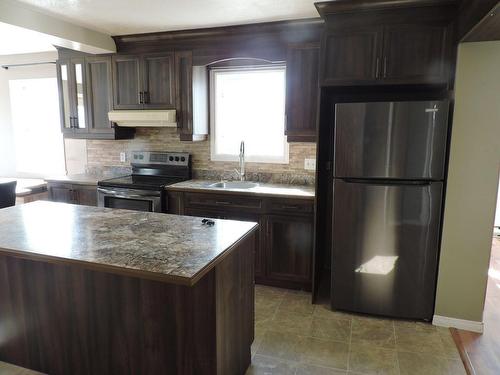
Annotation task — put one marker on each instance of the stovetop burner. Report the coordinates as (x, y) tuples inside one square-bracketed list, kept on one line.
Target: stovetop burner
[(153, 171)]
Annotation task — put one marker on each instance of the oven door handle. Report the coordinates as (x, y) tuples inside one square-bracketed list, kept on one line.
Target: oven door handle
[(120, 194)]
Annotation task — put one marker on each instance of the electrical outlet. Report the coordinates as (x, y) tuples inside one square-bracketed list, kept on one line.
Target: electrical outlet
[(310, 164), (123, 157)]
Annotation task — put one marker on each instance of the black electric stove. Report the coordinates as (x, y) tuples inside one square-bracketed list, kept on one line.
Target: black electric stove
[(144, 189)]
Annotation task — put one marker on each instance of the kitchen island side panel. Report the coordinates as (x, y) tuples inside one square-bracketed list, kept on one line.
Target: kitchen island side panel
[(64, 319)]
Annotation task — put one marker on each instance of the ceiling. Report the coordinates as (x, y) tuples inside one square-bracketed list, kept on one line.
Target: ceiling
[(17, 40), (120, 17)]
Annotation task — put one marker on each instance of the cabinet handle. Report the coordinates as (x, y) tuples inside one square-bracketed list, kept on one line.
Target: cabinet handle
[(385, 67), (377, 72), (141, 96), (70, 122), (76, 122), (224, 203)]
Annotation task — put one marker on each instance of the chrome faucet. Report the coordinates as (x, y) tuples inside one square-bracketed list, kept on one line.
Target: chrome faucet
[(241, 172)]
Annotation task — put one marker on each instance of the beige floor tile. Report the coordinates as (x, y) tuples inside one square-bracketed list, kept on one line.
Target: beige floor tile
[(280, 345), (264, 301), (334, 329), (297, 302), (307, 369), (371, 360), (373, 331), (269, 291), (262, 365), (324, 311), (426, 364), (263, 315), (323, 352), (258, 337), (425, 339), (288, 321)]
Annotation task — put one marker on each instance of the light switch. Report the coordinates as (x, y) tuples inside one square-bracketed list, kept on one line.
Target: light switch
[(310, 164)]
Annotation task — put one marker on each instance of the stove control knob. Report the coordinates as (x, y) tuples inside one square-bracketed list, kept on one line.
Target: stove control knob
[(176, 158), (171, 158), (183, 158)]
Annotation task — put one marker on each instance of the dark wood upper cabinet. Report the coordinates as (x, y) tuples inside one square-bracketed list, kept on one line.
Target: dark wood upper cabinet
[(351, 56), (71, 77), (143, 81), (99, 94), (85, 97), (158, 78), (408, 42), (127, 82), (191, 98), (302, 90), (415, 54)]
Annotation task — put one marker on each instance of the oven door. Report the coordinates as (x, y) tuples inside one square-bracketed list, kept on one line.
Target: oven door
[(129, 199)]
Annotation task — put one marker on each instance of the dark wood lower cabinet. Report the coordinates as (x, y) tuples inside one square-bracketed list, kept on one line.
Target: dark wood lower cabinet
[(288, 248), (284, 242), (72, 193)]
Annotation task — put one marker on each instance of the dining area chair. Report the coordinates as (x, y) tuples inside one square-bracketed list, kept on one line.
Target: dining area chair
[(7, 193)]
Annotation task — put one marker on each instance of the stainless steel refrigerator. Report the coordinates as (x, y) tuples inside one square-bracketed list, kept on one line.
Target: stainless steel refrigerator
[(389, 162)]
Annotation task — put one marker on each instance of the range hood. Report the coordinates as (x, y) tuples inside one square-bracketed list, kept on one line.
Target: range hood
[(144, 118)]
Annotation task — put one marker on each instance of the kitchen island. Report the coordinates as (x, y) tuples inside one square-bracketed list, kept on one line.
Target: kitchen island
[(87, 290)]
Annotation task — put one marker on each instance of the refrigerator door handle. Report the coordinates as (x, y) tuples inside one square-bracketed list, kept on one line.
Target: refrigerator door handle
[(374, 181)]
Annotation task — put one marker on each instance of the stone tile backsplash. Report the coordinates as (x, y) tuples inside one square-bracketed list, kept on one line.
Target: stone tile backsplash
[(104, 156)]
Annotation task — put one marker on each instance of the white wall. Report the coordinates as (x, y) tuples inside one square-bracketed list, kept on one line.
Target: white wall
[(7, 154), (472, 184)]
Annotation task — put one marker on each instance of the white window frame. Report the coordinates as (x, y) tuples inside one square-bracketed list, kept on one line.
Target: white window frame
[(231, 157)]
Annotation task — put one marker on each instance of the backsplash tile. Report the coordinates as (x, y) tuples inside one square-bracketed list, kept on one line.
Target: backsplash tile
[(105, 156)]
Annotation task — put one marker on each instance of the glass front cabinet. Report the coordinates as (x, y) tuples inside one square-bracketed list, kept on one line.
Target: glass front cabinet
[(73, 100)]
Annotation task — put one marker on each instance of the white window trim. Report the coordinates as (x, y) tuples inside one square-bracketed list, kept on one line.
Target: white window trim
[(230, 157)]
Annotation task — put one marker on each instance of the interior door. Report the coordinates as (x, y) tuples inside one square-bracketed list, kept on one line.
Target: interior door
[(403, 140), (158, 78), (385, 247)]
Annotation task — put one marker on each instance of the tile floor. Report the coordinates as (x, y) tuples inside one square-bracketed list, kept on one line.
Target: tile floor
[(297, 338)]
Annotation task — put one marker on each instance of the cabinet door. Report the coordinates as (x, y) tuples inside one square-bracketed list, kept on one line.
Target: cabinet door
[(158, 78), (61, 193), (127, 87), (99, 93), (86, 195), (184, 94), (302, 88), (80, 95), (415, 54), (289, 248), (65, 100), (351, 56)]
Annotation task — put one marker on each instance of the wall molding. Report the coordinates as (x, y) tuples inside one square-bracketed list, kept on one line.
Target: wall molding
[(467, 325)]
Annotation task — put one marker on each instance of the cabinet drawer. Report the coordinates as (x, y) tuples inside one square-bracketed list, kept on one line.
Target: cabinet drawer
[(223, 201), (291, 206)]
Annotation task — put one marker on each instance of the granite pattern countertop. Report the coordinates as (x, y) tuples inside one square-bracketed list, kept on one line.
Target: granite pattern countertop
[(262, 189), (170, 248)]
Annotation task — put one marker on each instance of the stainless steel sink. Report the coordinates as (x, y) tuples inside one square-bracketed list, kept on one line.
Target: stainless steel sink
[(234, 185)]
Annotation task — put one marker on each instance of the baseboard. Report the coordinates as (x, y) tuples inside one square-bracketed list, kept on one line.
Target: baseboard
[(467, 325)]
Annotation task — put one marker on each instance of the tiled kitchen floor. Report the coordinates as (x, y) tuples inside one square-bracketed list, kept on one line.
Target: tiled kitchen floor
[(297, 338)]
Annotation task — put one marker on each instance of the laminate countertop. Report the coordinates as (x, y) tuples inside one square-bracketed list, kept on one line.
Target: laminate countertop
[(260, 189), (82, 179), (169, 248)]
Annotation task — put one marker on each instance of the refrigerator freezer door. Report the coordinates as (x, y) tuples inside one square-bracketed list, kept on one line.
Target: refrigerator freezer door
[(402, 140), (385, 247)]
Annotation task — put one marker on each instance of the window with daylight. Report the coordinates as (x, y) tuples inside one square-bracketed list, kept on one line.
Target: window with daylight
[(248, 104), (38, 141)]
